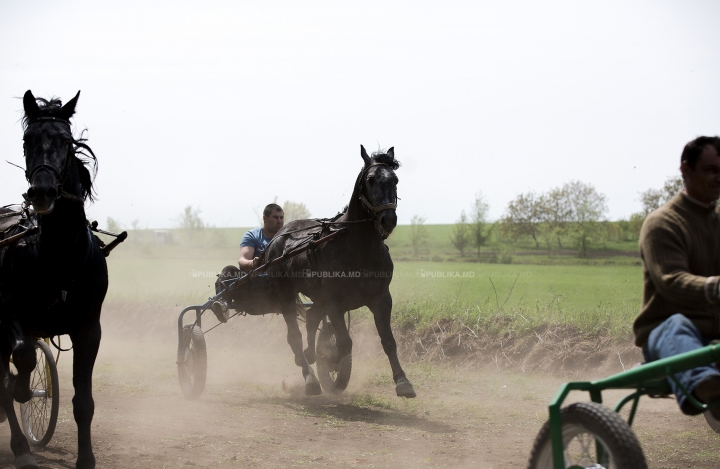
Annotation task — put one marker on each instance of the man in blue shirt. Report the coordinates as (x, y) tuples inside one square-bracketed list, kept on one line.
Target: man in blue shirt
[(256, 240), (253, 245)]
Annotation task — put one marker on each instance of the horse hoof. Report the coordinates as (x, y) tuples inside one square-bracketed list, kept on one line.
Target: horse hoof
[(404, 388), (26, 461), (85, 462), (312, 389), (312, 384)]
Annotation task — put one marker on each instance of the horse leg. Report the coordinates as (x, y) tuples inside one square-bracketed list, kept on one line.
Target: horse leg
[(85, 345), (18, 443), (24, 359), (312, 321), (294, 338), (381, 309)]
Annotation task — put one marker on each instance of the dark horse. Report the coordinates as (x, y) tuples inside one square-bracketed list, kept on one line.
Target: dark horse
[(53, 282), (346, 273)]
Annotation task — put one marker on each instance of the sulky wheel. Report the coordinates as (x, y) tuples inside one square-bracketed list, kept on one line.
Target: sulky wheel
[(39, 415), (192, 362), (712, 421), (333, 376), (586, 425)]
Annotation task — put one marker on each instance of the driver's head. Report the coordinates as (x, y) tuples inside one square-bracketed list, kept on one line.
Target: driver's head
[(700, 167), (273, 218)]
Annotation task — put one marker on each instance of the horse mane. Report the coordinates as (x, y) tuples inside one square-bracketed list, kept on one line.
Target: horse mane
[(381, 156), (80, 151)]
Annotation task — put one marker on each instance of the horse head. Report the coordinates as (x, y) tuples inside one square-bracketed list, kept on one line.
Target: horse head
[(50, 149), (378, 188)]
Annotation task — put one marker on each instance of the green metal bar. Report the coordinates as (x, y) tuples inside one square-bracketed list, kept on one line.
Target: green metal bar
[(556, 426), (661, 368), (635, 398), (640, 377), (633, 409)]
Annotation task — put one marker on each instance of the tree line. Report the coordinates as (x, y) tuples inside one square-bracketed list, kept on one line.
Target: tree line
[(570, 216)]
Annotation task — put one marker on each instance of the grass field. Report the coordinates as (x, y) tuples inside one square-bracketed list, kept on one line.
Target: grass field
[(594, 297)]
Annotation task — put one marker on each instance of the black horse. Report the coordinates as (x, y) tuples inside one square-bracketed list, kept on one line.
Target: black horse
[(350, 271), (53, 282)]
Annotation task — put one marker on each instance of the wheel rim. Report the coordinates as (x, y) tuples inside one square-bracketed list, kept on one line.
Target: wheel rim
[(190, 363), (580, 449), (37, 411)]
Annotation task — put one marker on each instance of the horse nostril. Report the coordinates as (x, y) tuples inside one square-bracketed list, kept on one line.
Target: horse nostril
[(51, 193), (31, 193)]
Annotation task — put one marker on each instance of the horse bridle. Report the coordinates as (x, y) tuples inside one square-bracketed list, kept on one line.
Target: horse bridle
[(62, 174), (375, 209)]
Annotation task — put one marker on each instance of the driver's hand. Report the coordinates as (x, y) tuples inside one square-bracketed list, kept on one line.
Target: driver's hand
[(255, 262)]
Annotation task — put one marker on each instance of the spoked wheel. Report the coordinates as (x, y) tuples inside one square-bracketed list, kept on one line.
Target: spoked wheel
[(39, 415), (334, 377), (192, 362), (593, 437)]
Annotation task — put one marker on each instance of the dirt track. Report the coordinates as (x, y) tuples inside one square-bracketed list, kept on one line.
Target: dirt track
[(253, 413)]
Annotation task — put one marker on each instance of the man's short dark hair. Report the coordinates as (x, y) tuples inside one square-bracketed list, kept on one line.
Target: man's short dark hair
[(694, 149), (270, 208)]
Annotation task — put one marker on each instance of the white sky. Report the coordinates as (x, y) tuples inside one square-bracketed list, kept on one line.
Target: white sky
[(225, 105)]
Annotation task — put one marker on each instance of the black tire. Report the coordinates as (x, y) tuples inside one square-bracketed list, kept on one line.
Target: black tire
[(584, 425), (712, 421), (39, 415), (192, 362), (334, 377)]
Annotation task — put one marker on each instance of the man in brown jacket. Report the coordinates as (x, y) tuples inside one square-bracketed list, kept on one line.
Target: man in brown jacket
[(680, 248)]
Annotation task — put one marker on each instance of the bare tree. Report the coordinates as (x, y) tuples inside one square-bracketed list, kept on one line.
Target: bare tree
[(523, 216), (189, 219), (419, 235), (295, 211), (460, 237), (114, 226)]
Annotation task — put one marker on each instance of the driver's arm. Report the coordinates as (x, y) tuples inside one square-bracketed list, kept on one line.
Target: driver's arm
[(247, 262)]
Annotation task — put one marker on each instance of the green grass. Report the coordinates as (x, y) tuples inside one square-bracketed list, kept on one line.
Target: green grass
[(592, 296)]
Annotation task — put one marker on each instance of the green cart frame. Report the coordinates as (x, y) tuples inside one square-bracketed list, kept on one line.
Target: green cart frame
[(599, 436)]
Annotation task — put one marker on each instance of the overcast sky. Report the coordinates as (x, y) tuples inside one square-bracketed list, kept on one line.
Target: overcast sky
[(227, 105)]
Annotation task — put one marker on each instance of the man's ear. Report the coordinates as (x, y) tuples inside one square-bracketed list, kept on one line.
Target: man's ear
[(685, 168)]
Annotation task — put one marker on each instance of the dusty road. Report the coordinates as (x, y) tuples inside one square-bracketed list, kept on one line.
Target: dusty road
[(253, 414)]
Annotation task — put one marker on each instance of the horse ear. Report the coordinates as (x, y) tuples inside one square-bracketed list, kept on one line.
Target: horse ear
[(68, 110), (30, 105), (391, 152), (364, 155)]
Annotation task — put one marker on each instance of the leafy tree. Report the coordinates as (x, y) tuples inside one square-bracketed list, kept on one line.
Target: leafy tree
[(653, 199), (460, 237), (419, 235), (587, 209), (295, 211), (479, 228), (555, 213), (523, 216)]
